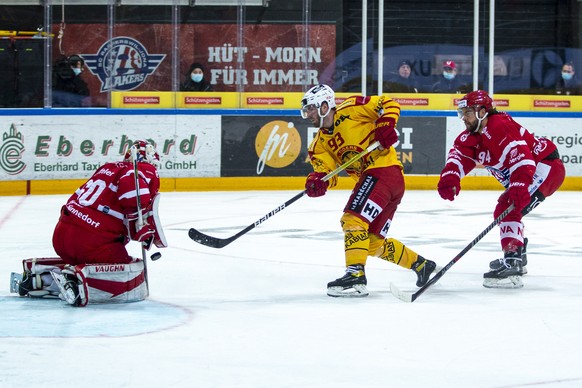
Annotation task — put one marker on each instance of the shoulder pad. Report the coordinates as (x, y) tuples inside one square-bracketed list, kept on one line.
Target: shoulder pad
[(353, 101), (468, 139)]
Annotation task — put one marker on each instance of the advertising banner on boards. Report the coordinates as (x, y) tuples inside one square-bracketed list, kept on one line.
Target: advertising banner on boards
[(564, 132), (277, 146), (73, 147)]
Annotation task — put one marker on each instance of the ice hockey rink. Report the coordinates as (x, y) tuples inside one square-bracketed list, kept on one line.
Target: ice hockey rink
[(255, 313)]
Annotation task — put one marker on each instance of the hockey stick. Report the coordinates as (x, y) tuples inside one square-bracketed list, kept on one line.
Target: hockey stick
[(133, 151), (411, 297), (216, 242)]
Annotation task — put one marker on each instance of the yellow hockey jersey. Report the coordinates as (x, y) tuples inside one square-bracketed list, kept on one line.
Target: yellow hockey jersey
[(353, 131)]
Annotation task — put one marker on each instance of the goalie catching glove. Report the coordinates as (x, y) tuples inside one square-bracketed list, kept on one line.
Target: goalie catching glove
[(315, 186)]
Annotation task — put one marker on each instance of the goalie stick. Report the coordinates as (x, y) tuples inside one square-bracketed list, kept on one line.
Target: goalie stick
[(140, 221), (216, 242), (411, 297)]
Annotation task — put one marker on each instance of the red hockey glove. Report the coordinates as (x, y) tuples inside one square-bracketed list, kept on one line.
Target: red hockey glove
[(518, 194), (449, 185), (315, 186), (385, 132), (145, 234)]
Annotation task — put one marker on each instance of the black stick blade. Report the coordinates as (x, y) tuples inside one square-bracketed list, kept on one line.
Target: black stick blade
[(207, 240)]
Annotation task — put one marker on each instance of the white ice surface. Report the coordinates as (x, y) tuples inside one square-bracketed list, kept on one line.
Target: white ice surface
[(255, 313)]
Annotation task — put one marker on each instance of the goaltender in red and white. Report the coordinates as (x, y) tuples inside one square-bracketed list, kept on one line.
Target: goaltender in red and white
[(90, 238)]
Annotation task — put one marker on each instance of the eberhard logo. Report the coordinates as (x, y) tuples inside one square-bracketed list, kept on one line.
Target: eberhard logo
[(11, 151), (122, 64), (278, 144)]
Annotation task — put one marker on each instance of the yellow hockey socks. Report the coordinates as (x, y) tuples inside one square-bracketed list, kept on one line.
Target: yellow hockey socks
[(393, 251), (356, 241)]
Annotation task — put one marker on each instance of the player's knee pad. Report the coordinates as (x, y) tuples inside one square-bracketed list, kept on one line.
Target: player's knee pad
[(356, 241), (112, 283), (350, 222), (395, 252), (375, 243)]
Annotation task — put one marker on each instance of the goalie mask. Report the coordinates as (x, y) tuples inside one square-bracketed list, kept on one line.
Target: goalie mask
[(146, 153), (314, 99)]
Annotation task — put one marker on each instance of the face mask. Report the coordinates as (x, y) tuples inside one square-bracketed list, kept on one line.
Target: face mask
[(196, 77), (567, 76), (76, 70), (448, 76)]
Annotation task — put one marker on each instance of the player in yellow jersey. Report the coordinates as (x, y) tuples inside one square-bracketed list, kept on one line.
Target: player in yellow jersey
[(344, 131)]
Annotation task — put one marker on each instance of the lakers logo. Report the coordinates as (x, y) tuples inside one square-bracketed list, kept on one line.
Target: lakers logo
[(122, 63), (278, 144)]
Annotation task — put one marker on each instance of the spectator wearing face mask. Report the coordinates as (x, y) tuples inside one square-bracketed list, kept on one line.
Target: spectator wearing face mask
[(69, 89), (568, 83), (195, 81), (449, 82)]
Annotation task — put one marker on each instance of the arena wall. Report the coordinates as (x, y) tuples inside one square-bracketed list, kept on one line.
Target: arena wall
[(52, 151)]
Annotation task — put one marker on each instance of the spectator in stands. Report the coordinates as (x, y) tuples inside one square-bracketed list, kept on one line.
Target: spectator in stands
[(568, 83), (404, 81), (195, 81), (449, 82), (69, 89)]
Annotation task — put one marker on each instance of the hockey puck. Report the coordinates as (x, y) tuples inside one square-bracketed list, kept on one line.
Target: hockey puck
[(156, 256)]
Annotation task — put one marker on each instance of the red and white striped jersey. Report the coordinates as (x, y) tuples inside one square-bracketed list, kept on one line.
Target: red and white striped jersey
[(102, 203), (503, 147)]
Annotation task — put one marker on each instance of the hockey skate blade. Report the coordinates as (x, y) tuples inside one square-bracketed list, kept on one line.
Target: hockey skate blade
[(66, 294), (357, 291), (510, 282), (403, 296), (15, 279)]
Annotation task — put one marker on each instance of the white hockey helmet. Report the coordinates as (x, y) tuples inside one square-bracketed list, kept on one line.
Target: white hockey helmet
[(316, 96)]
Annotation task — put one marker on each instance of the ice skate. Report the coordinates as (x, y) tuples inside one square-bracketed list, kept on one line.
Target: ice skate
[(27, 284), (423, 269), (352, 284), (497, 264), (508, 275), (69, 287)]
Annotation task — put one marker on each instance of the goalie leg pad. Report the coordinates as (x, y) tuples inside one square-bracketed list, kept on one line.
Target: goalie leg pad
[(114, 283), (102, 283), (36, 280)]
